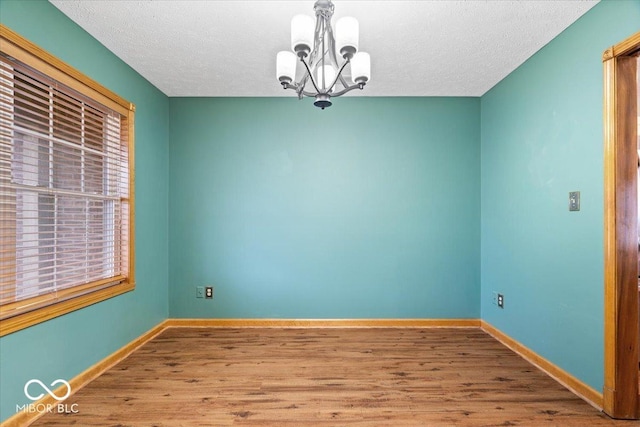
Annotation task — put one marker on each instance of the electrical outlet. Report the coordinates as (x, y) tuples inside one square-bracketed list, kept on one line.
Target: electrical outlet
[(500, 300), (208, 292), (199, 291)]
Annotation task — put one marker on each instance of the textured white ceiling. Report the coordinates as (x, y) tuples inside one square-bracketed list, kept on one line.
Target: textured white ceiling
[(418, 48)]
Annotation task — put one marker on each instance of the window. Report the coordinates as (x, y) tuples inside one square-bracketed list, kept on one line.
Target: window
[(66, 174)]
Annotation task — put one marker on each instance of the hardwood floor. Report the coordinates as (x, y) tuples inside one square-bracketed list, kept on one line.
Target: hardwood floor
[(313, 377)]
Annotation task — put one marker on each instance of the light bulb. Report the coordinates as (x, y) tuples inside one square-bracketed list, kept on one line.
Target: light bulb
[(286, 66), (302, 29), (347, 34), (361, 68)]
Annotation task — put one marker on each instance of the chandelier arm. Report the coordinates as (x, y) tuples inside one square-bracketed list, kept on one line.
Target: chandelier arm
[(292, 86), (332, 54), (338, 76), (310, 75), (303, 82), (307, 74), (348, 89)]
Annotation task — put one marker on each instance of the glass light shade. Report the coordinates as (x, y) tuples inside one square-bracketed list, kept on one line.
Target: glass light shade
[(329, 75), (347, 34), (361, 67), (302, 29), (286, 66)]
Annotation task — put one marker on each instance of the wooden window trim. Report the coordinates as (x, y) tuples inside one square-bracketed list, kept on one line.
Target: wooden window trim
[(621, 325), (30, 54)]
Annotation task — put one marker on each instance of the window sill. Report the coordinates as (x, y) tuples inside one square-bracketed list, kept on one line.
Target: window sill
[(25, 320)]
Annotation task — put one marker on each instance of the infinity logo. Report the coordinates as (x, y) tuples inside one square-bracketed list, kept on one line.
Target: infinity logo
[(52, 394)]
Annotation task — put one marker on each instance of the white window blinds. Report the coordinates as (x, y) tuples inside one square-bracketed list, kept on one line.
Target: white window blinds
[(64, 192)]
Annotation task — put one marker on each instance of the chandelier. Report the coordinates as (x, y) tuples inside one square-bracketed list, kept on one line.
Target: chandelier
[(317, 46)]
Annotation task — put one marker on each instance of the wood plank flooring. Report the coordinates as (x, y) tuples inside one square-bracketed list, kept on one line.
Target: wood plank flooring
[(321, 377)]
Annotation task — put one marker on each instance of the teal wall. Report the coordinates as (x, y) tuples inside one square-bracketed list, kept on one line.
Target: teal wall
[(368, 209), (65, 346), (541, 138)]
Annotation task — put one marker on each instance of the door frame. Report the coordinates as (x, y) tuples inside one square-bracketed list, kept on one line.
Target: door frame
[(621, 319)]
